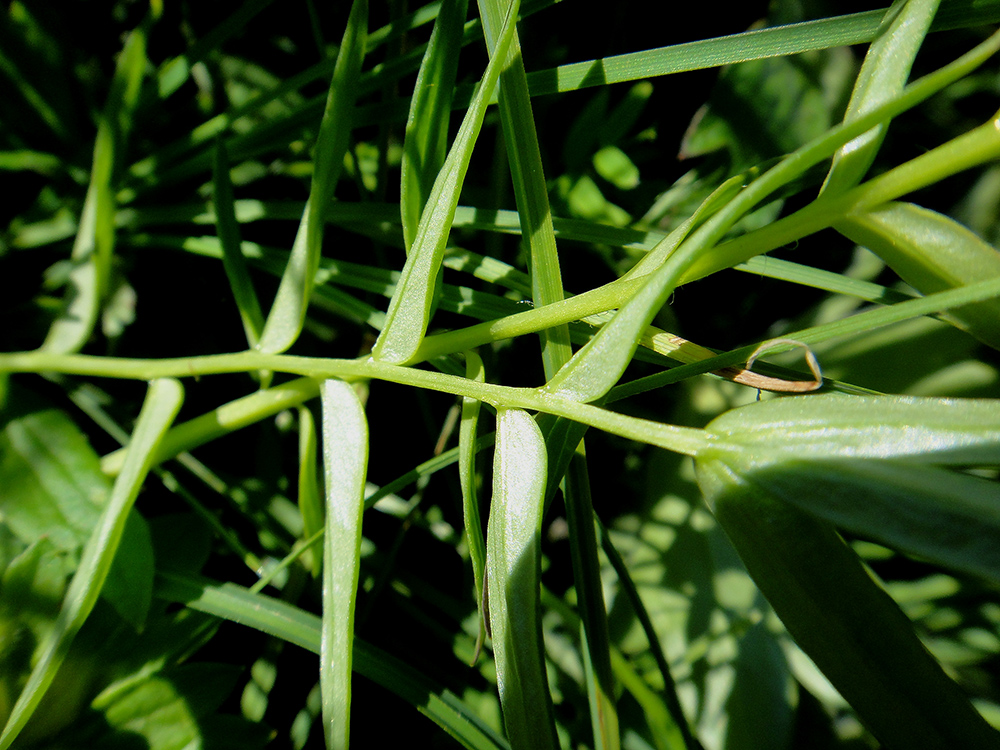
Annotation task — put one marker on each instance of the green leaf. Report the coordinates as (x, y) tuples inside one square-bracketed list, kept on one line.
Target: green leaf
[(412, 302), (175, 709), (284, 322), (53, 488), (302, 628), (52, 478), (614, 166), (513, 559), (232, 255), (310, 503), (596, 367), (883, 75), (426, 140), (162, 403), (944, 516), (932, 253), (95, 240), (840, 617), (467, 449), (528, 177), (345, 456), (958, 432)]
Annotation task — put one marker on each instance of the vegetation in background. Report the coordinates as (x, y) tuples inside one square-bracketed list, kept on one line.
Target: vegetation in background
[(520, 374)]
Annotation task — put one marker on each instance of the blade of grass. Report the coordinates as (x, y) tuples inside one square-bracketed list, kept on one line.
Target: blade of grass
[(590, 603), (285, 621), (163, 400), (345, 456), (528, 176), (310, 504), (426, 140), (467, 449), (860, 323), (791, 39), (411, 304), (232, 254), (288, 312)]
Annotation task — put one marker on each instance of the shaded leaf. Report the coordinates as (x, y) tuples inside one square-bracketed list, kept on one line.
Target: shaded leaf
[(846, 623)]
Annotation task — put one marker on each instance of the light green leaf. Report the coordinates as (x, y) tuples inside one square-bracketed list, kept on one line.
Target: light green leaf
[(959, 432), (159, 409), (412, 302), (284, 322), (53, 488), (513, 559), (310, 503), (614, 166), (947, 517), (467, 450), (95, 238), (426, 140), (883, 75), (595, 369), (932, 253), (345, 457)]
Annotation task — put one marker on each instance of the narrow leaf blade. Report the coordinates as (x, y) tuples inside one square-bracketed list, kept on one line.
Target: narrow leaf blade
[(345, 456), (513, 560)]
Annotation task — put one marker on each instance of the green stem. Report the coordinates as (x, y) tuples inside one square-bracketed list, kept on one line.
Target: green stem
[(971, 149), (671, 437)]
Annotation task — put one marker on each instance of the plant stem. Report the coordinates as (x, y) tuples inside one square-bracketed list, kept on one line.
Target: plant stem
[(671, 437)]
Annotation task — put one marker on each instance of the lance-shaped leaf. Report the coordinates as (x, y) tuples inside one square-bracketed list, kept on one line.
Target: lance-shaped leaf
[(426, 140), (879, 466), (932, 253), (958, 432), (528, 178), (883, 75), (95, 237), (412, 302), (310, 503), (600, 363), (839, 615), (513, 560), (163, 400), (776, 474), (288, 312), (345, 457), (474, 370)]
